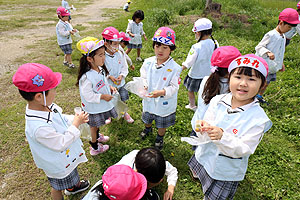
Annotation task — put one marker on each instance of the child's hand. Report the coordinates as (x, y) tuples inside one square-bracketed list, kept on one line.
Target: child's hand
[(214, 132), (113, 79), (119, 79), (283, 68), (72, 32), (80, 118), (106, 97), (132, 67), (169, 193), (200, 124), (183, 67), (132, 35), (145, 37), (271, 55), (113, 89), (156, 93)]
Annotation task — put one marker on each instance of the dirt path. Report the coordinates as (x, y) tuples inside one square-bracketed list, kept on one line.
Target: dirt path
[(21, 38)]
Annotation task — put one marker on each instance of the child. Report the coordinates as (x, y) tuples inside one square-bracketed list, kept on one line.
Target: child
[(220, 60), (151, 163), (54, 140), (291, 33), (95, 91), (126, 6), (119, 182), (116, 64), (135, 31), (124, 42), (161, 76), (199, 59), (272, 46), (235, 124), (64, 30)]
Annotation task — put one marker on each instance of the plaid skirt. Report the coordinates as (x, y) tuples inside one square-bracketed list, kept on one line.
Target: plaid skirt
[(64, 183), (123, 93), (134, 46), (212, 189), (191, 84), (160, 122), (67, 48), (97, 120)]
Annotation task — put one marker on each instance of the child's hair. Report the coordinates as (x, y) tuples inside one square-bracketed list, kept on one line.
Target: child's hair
[(151, 163), (292, 25), (125, 42), (29, 96), (212, 86), (108, 41), (248, 72), (100, 191), (138, 14), (207, 32), (172, 47), (84, 65)]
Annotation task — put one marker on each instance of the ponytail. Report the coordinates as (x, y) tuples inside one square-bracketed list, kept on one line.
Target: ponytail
[(208, 32), (216, 45)]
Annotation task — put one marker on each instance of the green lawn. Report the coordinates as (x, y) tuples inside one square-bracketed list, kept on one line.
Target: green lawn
[(273, 170)]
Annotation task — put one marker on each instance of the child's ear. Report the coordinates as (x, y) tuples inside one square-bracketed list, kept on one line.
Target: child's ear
[(38, 97), (89, 59)]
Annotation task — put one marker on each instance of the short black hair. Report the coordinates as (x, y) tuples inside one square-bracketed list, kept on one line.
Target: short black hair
[(138, 14), (29, 96), (292, 25), (172, 47), (125, 42), (151, 163)]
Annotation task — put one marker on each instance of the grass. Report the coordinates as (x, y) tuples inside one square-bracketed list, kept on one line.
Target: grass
[(273, 171)]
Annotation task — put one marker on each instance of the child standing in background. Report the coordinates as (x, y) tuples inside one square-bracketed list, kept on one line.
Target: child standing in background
[(135, 31), (199, 59), (95, 91), (124, 42), (291, 33), (235, 124), (272, 46), (116, 64), (161, 76), (54, 139), (126, 6), (65, 4), (64, 30)]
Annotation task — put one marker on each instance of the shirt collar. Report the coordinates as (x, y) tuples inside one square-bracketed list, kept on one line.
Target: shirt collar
[(106, 53), (163, 64), (226, 100), (39, 115)]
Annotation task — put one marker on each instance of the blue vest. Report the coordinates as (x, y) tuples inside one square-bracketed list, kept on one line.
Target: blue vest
[(55, 164), (100, 86), (62, 40), (114, 63), (158, 79)]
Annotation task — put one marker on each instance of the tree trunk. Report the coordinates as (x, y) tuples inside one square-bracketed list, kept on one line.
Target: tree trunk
[(208, 4)]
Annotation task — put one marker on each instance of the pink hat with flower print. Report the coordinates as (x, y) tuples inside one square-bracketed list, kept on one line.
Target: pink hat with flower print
[(121, 182), (298, 5), (111, 33), (125, 36), (252, 61), (62, 11), (164, 35), (223, 56), (35, 77), (290, 16)]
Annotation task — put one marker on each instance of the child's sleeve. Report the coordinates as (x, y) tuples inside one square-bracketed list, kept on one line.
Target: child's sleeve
[(143, 73), (191, 58), (128, 159), (129, 27), (171, 173), (298, 29), (62, 31), (124, 68), (128, 60), (86, 90), (142, 30), (261, 48)]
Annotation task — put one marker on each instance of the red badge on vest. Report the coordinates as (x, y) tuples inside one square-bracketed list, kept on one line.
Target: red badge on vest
[(235, 131)]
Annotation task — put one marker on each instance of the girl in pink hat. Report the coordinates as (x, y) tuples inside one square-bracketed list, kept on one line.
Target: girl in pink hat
[(198, 59), (235, 124), (161, 81), (294, 30), (124, 42)]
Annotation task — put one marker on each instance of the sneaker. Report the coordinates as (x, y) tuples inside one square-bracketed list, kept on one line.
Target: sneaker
[(159, 144), (65, 63), (128, 118), (101, 149), (108, 121), (102, 138), (71, 65), (139, 59), (84, 185), (146, 132), (261, 99), (193, 108)]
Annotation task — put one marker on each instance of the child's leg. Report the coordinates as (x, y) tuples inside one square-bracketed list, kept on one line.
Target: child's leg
[(159, 141), (192, 99), (128, 50), (96, 147), (138, 52), (161, 131), (94, 134), (68, 58), (56, 194)]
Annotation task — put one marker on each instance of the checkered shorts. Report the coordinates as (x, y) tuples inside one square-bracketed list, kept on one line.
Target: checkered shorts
[(161, 122), (191, 84), (97, 120), (64, 183), (67, 48), (134, 46), (213, 189), (123, 93)]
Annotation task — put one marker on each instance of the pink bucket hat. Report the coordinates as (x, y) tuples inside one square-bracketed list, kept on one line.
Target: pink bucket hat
[(125, 36), (111, 33), (62, 11), (298, 5), (164, 35), (252, 61), (121, 182), (202, 24), (290, 16), (223, 56), (35, 77)]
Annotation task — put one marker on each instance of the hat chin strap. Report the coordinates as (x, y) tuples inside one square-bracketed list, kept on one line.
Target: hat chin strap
[(45, 103)]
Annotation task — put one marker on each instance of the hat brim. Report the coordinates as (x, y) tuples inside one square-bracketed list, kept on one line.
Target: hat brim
[(58, 79), (144, 185)]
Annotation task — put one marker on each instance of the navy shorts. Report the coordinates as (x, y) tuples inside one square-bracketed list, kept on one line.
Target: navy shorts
[(271, 77), (192, 84), (64, 183), (160, 122), (67, 48), (134, 46), (97, 120)]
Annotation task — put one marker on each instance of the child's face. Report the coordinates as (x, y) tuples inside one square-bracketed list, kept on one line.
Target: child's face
[(99, 58), (243, 87), (284, 27), (197, 35), (113, 46), (162, 52), (50, 97), (122, 44), (137, 20), (64, 18)]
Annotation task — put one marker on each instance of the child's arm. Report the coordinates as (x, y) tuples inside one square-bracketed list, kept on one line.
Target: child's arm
[(191, 59), (261, 48), (62, 31), (123, 70), (129, 27), (143, 33), (143, 74), (172, 176)]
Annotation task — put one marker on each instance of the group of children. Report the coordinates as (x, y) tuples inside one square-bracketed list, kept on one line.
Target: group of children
[(228, 123)]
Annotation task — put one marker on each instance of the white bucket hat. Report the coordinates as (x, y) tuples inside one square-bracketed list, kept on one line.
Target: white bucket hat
[(202, 24)]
